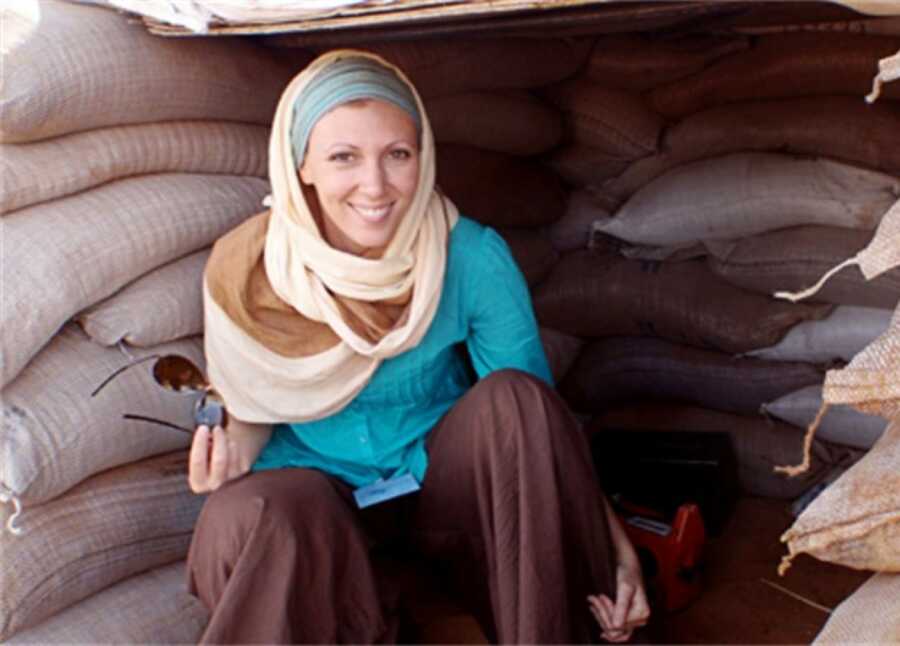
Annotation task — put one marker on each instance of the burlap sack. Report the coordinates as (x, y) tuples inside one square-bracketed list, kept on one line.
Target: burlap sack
[(759, 444), (510, 122), (153, 607), (871, 615), (581, 165), (71, 68), (164, 305), (615, 371), (838, 127), (855, 522), (744, 194), (532, 251), (499, 190), (438, 67), (795, 258), (55, 434), (782, 65), (573, 230), (62, 256), (638, 63), (46, 170), (561, 349), (840, 336), (597, 294), (112, 526), (840, 424), (616, 123)]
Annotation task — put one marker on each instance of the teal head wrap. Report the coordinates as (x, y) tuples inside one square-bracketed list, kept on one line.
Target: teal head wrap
[(347, 79)]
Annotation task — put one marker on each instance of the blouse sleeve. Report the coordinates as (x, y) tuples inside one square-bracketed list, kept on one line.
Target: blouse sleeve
[(502, 332)]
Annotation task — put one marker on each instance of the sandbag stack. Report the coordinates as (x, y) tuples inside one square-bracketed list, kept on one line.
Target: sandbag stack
[(768, 170), (123, 157)]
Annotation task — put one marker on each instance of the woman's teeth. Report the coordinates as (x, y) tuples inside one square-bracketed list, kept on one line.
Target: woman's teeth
[(373, 213)]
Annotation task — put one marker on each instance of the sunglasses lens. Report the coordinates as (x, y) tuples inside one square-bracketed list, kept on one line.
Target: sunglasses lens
[(178, 374)]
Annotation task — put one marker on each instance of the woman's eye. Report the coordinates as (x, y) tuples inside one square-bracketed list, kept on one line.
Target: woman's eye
[(341, 157), (400, 153)]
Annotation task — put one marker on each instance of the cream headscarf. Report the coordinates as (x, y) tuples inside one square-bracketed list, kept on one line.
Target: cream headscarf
[(294, 327)]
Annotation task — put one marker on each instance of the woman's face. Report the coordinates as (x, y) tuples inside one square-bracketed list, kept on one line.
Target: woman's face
[(363, 161)]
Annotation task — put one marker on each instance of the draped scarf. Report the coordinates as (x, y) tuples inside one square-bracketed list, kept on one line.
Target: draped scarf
[(294, 328)]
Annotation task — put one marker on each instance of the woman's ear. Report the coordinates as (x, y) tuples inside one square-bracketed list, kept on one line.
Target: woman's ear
[(305, 174)]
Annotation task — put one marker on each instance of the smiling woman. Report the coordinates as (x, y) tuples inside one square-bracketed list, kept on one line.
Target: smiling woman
[(372, 346)]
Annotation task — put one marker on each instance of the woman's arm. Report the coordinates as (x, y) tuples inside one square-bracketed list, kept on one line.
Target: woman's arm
[(221, 455)]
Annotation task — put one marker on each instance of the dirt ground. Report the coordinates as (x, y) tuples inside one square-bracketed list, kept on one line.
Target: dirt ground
[(736, 607)]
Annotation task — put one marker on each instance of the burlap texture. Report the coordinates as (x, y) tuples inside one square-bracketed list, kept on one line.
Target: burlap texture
[(80, 67), (638, 63), (855, 522), (745, 194), (561, 349), (839, 337), (871, 382), (532, 251), (442, 66), (871, 615), (55, 434), (618, 370), (63, 256), (46, 170), (573, 230), (759, 444), (838, 127), (153, 607), (614, 122), (840, 424), (581, 165), (499, 190), (782, 65), (163, 305), (599, 293), (510, 122), (112, 526), (796, 257)]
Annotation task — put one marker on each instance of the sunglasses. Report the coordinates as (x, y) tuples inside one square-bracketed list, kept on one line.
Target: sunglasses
[(178, 374)]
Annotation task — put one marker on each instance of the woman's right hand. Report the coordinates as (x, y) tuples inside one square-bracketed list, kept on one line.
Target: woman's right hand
[(218, 456)]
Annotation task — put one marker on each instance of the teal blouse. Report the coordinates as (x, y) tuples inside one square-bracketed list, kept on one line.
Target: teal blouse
[(485, 308)]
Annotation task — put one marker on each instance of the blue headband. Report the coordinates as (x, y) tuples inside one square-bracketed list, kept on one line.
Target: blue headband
[(348, 79)]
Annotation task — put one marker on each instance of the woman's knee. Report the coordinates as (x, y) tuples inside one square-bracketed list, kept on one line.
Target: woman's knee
[(294, 500)]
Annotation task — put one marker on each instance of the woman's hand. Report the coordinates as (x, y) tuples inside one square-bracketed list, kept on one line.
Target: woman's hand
[(218, 456), (631, 609)]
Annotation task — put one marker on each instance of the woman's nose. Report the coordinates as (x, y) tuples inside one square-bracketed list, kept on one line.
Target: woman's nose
[(373, 181)]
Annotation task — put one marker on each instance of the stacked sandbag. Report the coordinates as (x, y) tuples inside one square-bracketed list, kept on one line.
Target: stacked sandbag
[(127, 520), (152, 607), (871, 615), (123, 158)]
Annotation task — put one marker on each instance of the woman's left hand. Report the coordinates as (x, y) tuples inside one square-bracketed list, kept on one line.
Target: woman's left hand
[(630, 610)]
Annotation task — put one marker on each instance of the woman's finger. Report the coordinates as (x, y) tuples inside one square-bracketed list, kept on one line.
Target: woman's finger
[(198, 462), (218, 462), (601, 610)]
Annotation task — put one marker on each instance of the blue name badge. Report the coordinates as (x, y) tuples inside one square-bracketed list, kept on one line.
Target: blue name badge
[(382, 490)]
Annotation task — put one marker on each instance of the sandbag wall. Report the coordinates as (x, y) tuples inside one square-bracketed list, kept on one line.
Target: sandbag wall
[(123, 158), (652, 204)]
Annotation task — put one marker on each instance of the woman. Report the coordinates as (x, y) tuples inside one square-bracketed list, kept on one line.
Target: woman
[(343, 328)]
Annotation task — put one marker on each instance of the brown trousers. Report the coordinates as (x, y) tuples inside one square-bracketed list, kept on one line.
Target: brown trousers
[(509, 499)]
